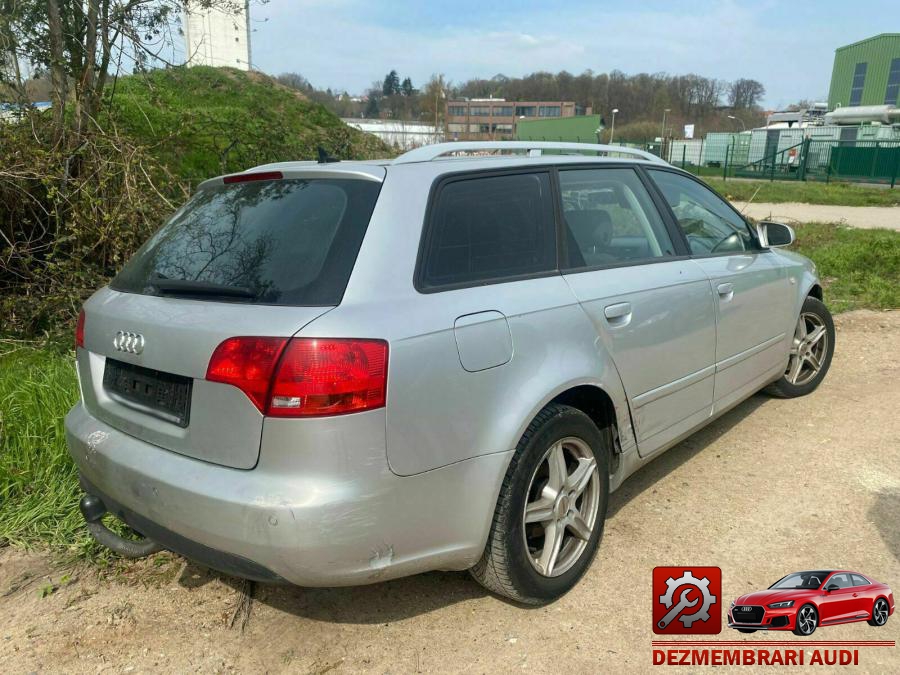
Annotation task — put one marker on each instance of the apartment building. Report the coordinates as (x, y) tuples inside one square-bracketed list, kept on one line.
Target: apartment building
[(496, 118)]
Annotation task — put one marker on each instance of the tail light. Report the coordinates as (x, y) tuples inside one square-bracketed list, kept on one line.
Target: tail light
[(247, 363), (304, 377), (79, 330)]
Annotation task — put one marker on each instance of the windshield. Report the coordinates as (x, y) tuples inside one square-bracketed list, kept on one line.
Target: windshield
[(811, 580), (282, 242)]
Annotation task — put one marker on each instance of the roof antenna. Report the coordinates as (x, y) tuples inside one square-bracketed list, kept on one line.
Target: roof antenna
[(325, 158)]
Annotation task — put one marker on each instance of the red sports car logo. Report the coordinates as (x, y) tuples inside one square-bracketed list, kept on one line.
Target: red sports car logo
[(803, 601)]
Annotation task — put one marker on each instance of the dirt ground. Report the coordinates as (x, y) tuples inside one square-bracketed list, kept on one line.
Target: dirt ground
[(865, 217), (772, 487)]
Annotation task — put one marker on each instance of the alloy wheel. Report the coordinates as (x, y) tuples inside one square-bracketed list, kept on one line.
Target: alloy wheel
[(880, 612), (561, 507), (808, 350), (807, 620)]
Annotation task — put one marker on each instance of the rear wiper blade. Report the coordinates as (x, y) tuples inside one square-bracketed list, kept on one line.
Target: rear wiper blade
[(191, 287)]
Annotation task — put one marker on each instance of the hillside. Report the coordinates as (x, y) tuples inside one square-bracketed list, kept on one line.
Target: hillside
[(203, 121)]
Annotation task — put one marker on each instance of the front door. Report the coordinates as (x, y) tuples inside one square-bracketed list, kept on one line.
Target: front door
[(837, 605), (750, 287), (651, 306)]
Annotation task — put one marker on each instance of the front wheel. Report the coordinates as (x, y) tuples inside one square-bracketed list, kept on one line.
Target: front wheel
[(880, 612), (551, 510), (811, 352), (807, 621)]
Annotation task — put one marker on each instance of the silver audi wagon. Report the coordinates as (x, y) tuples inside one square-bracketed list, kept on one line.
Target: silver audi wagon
[(337, 373)]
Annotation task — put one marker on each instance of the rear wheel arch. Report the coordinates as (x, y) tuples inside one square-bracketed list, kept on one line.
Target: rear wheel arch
[(596, 404)]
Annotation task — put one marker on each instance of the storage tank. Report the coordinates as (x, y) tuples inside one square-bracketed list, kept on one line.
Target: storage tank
[(886, 114)]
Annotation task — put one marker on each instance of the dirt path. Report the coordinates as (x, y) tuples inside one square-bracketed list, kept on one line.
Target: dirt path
[(772, 487), (865, 217)]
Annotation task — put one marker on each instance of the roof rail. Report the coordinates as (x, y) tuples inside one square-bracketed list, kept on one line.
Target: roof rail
[(429, 153)]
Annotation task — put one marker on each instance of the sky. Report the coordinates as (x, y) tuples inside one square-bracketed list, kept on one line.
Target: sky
[(349, 44)]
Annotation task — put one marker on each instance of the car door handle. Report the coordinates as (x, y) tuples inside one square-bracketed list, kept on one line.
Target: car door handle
[(855, 594), (618, 314), (725, 289)]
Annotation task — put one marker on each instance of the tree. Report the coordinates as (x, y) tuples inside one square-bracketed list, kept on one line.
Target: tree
[(82, 44), (295, 81), (744, 94), (372, 111), (407, 88), (391, 84), (433, 97)]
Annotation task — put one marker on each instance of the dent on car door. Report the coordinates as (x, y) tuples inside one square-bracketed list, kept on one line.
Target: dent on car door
[(652, 309), (754, 300)]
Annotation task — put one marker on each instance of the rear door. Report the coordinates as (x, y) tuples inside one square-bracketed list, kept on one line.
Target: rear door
[(651, 306), (754, 303), (248, 258)]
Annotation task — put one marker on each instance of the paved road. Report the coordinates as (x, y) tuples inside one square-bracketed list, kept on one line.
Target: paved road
[(772, 487), (855, 216)]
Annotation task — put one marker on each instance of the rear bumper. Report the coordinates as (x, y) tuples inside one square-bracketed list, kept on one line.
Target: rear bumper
[(322, 507)]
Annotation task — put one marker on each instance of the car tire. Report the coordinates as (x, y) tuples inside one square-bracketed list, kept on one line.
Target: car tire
[(801, 376), (746, 630), (880, 612), (801, 626), (512, 565)]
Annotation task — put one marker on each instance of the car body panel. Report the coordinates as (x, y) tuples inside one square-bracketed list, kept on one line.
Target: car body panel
[(179, 337)]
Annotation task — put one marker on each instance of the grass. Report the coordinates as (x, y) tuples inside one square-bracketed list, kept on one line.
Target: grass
[(38, 482), (858, 268), (201, 121), (777, 192)]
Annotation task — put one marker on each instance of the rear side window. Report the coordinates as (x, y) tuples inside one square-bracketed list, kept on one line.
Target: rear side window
[(859, 580), (488, 229), (281, 242)]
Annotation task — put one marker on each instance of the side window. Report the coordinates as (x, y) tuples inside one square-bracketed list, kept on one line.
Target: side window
[(610, 218), (485, 229), (842, 580), (859, 580), (710, 225)]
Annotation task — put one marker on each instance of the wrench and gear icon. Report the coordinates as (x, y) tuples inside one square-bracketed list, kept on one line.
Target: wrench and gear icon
[(683, 603)]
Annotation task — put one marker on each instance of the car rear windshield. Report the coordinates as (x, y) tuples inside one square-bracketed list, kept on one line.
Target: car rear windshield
[(279, 242)]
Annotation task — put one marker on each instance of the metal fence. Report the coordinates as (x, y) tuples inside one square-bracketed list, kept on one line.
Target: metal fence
[(790, 154), (815, 153), (826, 160)]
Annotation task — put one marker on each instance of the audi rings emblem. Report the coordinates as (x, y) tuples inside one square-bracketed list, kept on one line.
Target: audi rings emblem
[(130, 343)]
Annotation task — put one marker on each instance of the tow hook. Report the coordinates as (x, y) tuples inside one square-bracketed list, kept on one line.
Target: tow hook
[(93, 509)]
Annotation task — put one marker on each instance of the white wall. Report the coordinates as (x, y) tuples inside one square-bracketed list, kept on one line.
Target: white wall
[(404, 135), (217, 38)]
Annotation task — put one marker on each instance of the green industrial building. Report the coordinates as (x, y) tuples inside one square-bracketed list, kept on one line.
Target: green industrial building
[(578, 129), (866, 73)]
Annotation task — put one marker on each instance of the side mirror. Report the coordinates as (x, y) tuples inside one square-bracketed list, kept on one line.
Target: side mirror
[(832, 587), (775, 235)]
